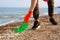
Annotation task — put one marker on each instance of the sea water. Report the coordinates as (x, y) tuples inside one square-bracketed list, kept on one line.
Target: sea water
[(16, 14)]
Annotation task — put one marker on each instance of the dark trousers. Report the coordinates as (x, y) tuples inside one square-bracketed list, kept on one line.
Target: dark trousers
[(50, 9)]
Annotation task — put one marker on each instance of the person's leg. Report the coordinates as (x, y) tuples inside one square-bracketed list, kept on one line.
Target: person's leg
[(36, 16), (30, 12), (36, 12), (51, 11), (33, 4)]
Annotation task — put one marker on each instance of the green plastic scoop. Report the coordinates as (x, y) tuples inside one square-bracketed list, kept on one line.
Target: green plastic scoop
[(21, 28)]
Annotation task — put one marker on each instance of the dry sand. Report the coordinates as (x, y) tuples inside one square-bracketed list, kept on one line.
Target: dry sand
[(47, 31)]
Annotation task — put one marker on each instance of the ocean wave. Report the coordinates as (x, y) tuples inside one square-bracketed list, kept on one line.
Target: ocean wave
[(11, 16), (45, 14), (22, 16), (7, 23)]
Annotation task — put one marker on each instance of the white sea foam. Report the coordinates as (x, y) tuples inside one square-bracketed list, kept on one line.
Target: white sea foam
[(22, 16), (19, 16), (7, 23), (45, 14)]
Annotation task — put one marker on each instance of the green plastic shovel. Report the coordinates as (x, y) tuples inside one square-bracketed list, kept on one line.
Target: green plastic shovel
[(21, 28)]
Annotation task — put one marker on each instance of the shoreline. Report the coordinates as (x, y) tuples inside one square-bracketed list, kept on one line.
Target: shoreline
[(7, 19), (31, 19), (42, 18)]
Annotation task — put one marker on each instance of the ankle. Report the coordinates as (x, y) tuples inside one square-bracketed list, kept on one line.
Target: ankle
[(51, 17), (37, 20)]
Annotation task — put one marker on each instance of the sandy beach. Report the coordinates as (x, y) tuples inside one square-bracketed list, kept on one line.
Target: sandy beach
[(47, 31)]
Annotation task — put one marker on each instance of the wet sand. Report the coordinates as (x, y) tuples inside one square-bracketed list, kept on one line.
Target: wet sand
[(47, 31)]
